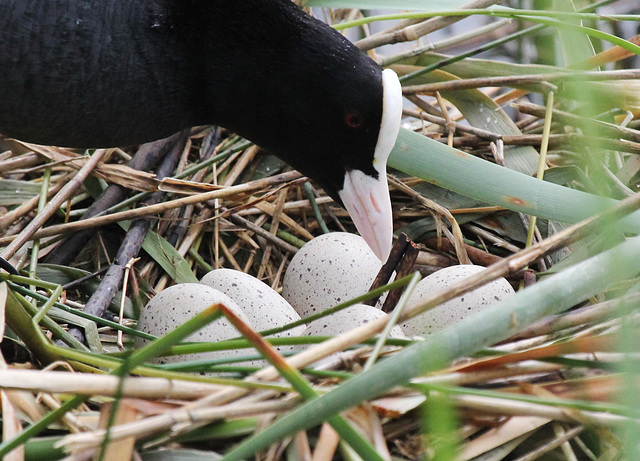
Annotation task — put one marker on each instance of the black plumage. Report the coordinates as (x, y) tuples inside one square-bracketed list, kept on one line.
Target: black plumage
[(103, 73)]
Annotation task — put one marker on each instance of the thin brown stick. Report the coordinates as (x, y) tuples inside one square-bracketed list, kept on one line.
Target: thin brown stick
[(131, 244), (514, 80), (161, 207), (404, 268), (56, 382), (21, 161), (567, 118), (555, 141), (440, 211), (273, 229), (147, 156), (62, 196), (582, 316), (479, 132), (552, 444), (386, 271), (423, 27), (27, 206), (262, 233)]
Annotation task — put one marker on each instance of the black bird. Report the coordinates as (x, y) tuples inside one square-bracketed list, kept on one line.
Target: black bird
[(104, 73)]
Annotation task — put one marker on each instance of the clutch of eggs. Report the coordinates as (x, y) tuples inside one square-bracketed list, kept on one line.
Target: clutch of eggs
[(327, 271)]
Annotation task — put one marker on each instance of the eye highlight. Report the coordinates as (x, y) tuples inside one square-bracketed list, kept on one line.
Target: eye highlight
[(354, 120)]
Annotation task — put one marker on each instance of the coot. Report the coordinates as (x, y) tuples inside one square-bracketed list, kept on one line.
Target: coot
[(103, 73)]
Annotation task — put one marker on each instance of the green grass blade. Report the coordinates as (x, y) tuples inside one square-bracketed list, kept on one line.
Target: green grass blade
[(468, 175), (167, 257)]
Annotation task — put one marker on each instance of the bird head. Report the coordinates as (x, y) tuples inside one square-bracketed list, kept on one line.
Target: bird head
[(351, 162), (342, 141), (304, 92)]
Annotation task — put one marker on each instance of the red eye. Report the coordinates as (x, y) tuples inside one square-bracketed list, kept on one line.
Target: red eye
[(353, 120)]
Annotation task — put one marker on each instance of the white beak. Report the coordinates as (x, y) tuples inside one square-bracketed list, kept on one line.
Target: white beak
[(365, 197)]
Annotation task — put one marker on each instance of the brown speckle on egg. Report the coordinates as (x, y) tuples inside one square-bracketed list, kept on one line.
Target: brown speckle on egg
[(328, 270), (456, 309), (184, 301)]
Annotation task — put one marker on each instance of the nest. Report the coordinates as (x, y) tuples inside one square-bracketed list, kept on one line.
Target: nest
[(538, 375)]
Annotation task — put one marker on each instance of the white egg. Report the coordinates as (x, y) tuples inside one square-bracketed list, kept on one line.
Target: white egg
[(175, 305), (262, 304), (455, 309), (329, 270), (348, 319)]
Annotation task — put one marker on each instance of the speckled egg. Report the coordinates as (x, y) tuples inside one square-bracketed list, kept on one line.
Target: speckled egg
[(348, 319), (263, 305), (175, 305), (328, 270), (455, 309)]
